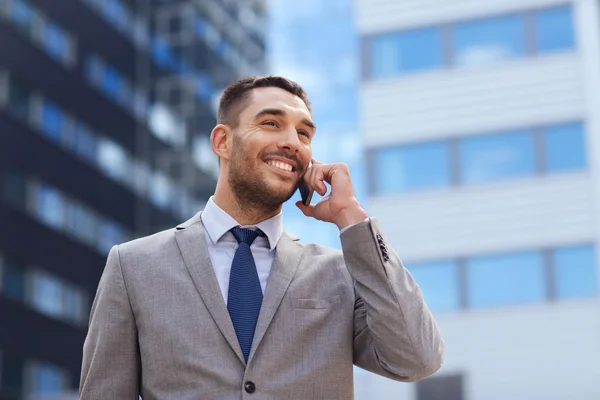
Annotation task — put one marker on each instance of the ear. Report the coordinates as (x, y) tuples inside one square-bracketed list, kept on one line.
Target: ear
[(220, 140)]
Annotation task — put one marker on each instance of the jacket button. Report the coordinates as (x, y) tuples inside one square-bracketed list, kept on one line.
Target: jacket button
[(250, 387)]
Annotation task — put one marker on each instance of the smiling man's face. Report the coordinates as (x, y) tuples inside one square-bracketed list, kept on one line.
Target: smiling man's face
[(271, 148)]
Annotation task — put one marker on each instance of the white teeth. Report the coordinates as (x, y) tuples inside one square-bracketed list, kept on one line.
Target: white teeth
[(280, 165)]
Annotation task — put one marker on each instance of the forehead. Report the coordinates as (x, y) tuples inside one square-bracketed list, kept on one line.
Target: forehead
[(274, 97)]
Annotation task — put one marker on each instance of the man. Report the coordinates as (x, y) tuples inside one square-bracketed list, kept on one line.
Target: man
[(228, 305)]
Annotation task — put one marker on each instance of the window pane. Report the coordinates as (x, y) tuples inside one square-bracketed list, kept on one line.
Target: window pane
[(110, 234), (47, 379), (554, 29), (82, 223), (50, 206), (439, 283), (406, 51), (506, 279), (490, 40), (492, 157), (575, 271), (565, 148), (411, 167), (19, 100), (14, 190), (23, 14), (112, 159), (52, 120), (113, 82), (85, 143), (55, 41), (11, 374), (47, 294), (13, 281)]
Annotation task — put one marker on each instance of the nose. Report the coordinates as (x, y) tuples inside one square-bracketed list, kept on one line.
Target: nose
[(289, 141)]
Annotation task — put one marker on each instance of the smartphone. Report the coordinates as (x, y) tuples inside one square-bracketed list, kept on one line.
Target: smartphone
[(305, 192)]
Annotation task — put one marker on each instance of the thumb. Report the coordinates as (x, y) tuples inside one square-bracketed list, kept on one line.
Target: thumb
[(306, 210)]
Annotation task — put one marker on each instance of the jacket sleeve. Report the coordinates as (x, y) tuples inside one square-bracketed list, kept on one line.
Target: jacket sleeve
[(395, 334), (111, 357)]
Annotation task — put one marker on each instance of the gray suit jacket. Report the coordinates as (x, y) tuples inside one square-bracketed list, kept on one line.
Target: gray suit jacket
[(159, 326)]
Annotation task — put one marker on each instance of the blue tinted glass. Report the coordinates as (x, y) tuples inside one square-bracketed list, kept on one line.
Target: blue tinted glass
[(115, 12), (161, 54), (85, 143), (564, 147), (439, 283), (489, 40), (55, 41), (47, 380), (395, 53), (575, 271), (22, 13), (52, 120), (13, 282), (506, 279), (411, 167), (113, 82), (491, 157), (554, 29)]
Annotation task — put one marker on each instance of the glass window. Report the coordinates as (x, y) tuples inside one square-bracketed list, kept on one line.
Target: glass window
[(488, 40), (439, 282), (56, 41), (575, 271), (110, 234), (47, 379), (50, 205), (94, 69), (112, 159), (11, 374), (161, 54), (23, 14), (160, 189), (75, 305), (411, 167), (499, 156), (408, 51), (47, 294), (52, 120), (554, 29), (113, 82), (115, 12), (19, 99), (85, 143), (506, 279), (564, 147), (82, 223), (13, 281)]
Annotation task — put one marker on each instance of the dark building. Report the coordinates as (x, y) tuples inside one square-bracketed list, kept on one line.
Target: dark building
[(105, 111)]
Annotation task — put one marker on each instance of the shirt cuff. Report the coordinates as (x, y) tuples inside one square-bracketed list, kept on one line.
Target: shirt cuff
[(350, 226)]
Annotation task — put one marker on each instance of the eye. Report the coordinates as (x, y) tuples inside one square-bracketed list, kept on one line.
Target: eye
[(302, 132), (271, 123)]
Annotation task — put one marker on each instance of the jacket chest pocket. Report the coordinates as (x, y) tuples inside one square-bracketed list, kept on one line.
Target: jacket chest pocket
[(317, 304)]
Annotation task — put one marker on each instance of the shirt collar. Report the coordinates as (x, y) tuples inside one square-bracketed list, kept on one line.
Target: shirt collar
[(217, 223)]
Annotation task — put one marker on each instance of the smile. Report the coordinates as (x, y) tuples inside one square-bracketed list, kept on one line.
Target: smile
[(280, 165)]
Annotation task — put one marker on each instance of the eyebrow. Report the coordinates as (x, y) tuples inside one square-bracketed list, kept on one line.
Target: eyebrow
[(280, 113)]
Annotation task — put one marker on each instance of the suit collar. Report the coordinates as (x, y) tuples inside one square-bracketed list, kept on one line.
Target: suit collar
[(218, 223)]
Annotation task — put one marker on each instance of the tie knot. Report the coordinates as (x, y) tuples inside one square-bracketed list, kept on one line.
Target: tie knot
[(246, 235)]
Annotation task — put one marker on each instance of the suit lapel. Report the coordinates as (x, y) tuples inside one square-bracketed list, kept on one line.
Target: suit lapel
[(192, 244), (287, 258)]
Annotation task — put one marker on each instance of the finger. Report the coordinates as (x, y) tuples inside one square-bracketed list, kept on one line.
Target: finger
[(306, 210)]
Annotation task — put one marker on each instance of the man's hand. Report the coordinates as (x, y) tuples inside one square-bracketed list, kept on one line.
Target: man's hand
[(340, 206)]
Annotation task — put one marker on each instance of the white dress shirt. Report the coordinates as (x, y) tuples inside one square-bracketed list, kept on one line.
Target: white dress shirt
[(222, 245)]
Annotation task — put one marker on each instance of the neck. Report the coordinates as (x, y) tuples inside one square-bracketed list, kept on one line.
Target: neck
[(245, 213)]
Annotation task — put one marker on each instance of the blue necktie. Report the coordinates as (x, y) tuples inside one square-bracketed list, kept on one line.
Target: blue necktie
[(245, 294)]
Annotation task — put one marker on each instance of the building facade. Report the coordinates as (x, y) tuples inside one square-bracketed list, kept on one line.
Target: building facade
[(105, 111), (482, 131)]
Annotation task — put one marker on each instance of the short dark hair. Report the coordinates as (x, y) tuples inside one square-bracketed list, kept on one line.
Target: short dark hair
[(235, 96)]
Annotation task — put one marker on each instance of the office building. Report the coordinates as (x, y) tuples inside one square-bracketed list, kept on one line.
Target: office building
[(483, 140), (105, 111)]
